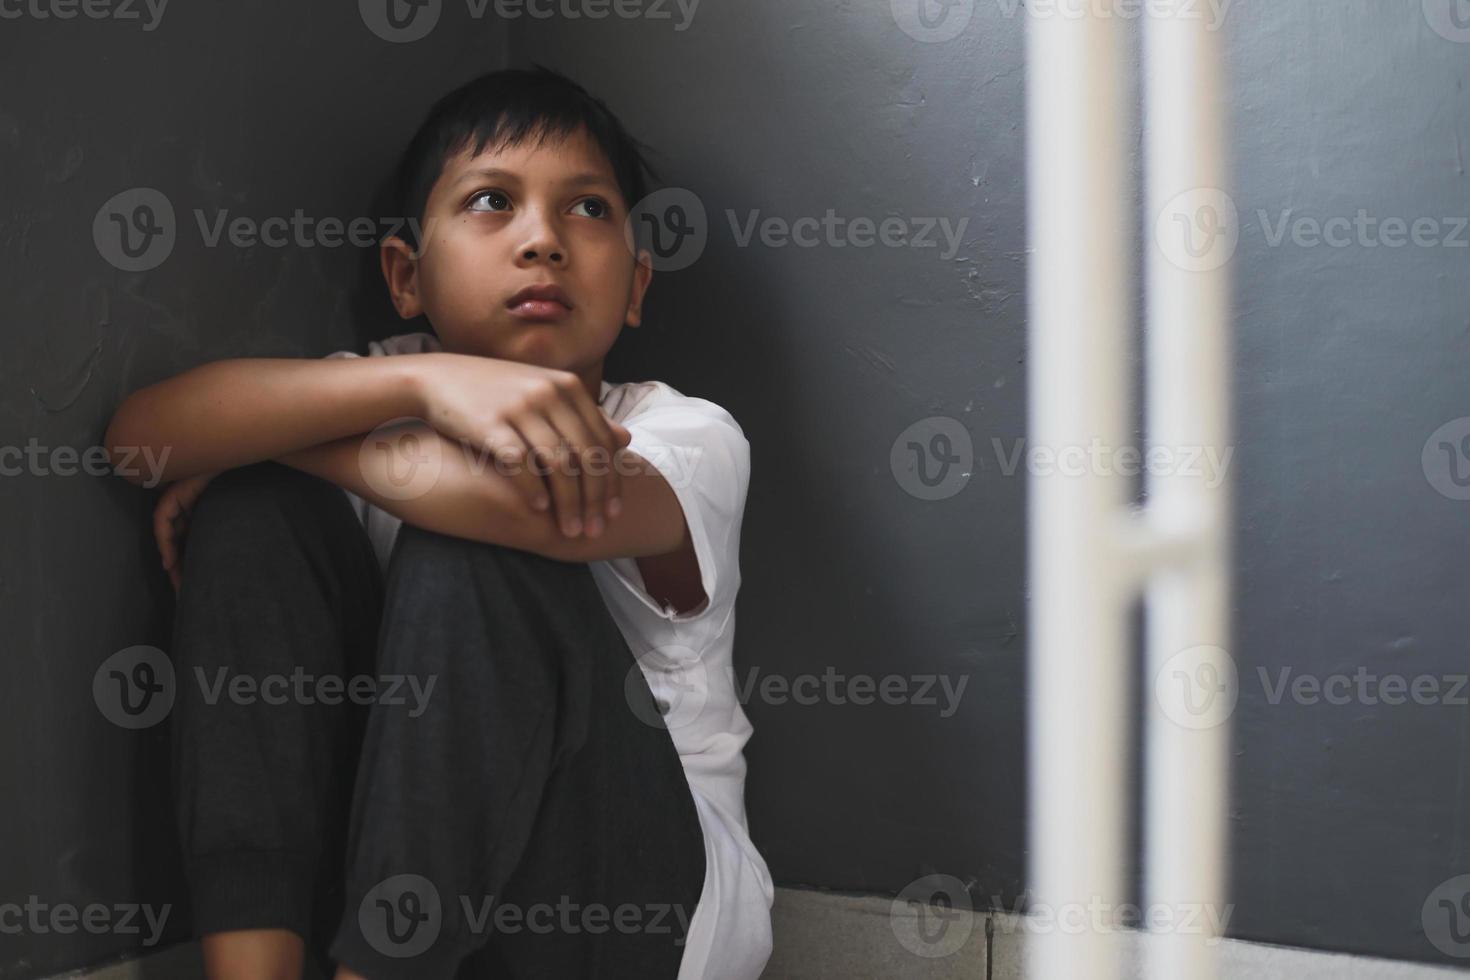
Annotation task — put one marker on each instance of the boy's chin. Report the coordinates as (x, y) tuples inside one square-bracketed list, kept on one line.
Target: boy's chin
[(556, 345)]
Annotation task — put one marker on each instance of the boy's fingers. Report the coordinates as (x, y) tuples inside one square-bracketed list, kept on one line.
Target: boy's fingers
[(599, 482), (516, 468), (511, 457), (163, 530), (545, 442), (615, 481), (588, 441), (617, 437), (589, 477)]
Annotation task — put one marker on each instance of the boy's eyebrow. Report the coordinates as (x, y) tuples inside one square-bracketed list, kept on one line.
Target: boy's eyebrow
[(587, 179)]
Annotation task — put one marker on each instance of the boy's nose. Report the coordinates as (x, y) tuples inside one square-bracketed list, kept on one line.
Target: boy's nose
[(553, 254)]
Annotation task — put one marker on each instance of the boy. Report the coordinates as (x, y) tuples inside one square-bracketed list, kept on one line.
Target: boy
[(547, 560)]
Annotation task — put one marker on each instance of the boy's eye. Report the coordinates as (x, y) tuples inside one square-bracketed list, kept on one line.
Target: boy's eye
[(493, 196), (599, 207)]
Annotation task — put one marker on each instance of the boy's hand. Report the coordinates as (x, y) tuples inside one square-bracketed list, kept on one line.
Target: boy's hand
[(171, 520), (527, 416)]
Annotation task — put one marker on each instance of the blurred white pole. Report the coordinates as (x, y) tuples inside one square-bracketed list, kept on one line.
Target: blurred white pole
[(1193, 236), (1077, 200)]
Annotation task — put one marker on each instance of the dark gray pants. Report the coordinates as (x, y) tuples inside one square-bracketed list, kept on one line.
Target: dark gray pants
[(519, 818)]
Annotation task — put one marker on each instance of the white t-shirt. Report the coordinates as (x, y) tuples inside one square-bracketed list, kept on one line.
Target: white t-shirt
[(687, 658)]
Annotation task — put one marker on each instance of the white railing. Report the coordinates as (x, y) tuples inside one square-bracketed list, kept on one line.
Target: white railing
[(1090, 554)]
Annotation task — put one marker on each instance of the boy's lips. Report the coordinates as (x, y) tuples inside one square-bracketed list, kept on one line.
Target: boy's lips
[(541, 301)]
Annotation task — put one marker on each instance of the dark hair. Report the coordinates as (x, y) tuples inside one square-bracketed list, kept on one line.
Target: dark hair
[(506, 108)]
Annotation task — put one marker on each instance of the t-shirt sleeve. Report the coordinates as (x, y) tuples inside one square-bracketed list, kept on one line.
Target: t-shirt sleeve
[(419, 342), (703, 454)]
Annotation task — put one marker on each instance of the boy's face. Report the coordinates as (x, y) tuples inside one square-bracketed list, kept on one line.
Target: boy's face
[(524, 216)]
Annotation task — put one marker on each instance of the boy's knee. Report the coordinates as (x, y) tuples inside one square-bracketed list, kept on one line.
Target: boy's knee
[(421, 554), (254, 494), (255, 514)]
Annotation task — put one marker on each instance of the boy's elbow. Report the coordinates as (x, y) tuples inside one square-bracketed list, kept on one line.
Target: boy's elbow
[(123, 446), (113, 439)]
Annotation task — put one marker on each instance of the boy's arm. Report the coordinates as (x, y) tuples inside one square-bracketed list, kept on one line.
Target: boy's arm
[(456, 492), (235, 412)]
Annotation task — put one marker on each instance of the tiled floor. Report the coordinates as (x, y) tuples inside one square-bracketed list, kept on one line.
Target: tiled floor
[(826, 936)]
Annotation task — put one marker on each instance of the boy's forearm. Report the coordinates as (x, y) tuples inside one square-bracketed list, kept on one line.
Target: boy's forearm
[(433, 483), (235, 412)]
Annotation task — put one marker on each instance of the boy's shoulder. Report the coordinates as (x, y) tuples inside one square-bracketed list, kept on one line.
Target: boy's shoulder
[(630, 400)]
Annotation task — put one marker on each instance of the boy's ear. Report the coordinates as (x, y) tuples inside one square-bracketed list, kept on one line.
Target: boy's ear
[(642, 276), (401, 273)]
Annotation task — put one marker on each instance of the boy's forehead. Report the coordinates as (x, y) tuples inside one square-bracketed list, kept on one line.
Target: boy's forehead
[(556, 157)]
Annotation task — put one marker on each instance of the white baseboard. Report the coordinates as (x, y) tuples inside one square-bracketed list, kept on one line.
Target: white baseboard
[(829, 936)]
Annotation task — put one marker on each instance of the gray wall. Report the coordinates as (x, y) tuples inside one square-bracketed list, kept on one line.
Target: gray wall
[(1345, 818), (826, 355), (258, 108)]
